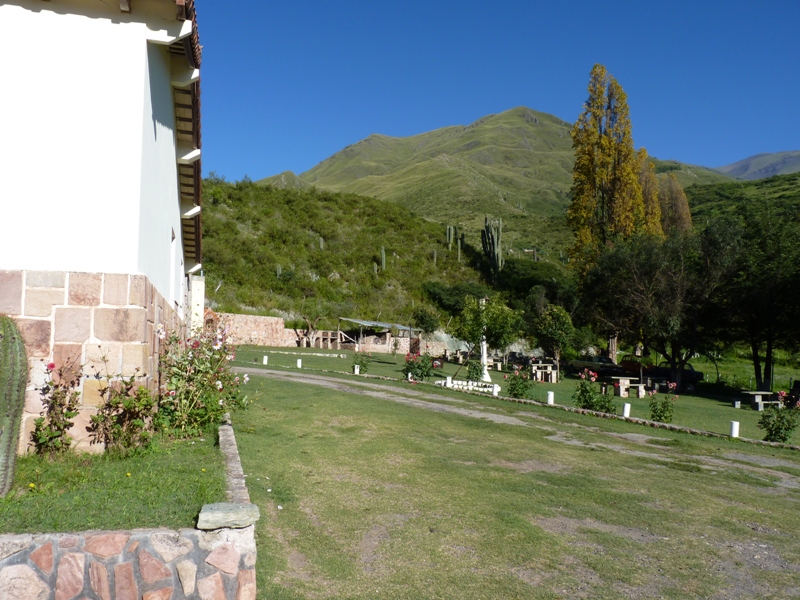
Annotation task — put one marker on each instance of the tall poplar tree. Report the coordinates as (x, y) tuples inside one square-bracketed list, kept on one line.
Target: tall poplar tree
[(606, 195), (675, 215), (650, 200)]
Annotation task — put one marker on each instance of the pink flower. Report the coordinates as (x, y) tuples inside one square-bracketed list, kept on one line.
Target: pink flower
[(172, 393), (594, 379), (51, 366), (505, 376)]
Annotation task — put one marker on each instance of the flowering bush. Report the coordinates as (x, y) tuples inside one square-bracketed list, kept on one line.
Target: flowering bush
[(60, 400), (124, 422), (518, 385), (198, 386), (420, 367), (780, 422), (362, 361), (587, 397), (662, 409)]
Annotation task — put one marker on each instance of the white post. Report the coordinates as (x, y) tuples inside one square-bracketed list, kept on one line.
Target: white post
[(265, 360), (734, 429), (357, 369), (626, 410), (448, 382), (410, 378), (299, 363), (485, 361), (495, 390), (551, 397)]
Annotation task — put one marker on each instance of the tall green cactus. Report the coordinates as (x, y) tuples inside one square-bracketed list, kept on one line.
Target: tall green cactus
[(13, 380), (383, 258), (491, 241)]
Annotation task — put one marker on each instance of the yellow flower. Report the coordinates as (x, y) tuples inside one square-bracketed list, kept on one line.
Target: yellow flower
[(31, 485), (127, 474), (203, 470)]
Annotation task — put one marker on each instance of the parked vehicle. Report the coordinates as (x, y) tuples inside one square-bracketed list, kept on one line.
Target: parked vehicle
[(634, 365), (663, 372), (602, 365)]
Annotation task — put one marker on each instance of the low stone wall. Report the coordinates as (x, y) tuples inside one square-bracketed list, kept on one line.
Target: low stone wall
[(215, 562)]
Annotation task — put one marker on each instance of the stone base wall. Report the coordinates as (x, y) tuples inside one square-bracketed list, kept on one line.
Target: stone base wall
[(213, 563), (156, 564), (100, 322)]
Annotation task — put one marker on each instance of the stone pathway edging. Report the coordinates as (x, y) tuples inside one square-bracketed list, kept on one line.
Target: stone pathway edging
[(213, 562)]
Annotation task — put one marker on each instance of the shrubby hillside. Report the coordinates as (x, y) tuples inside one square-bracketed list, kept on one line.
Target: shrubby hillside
[(297, 252)]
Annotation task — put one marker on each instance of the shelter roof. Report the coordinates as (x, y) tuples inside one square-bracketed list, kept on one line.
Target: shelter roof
[(380, 324)]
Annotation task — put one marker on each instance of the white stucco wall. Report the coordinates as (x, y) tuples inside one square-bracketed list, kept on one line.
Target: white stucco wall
[(159, 209), (87, 176)]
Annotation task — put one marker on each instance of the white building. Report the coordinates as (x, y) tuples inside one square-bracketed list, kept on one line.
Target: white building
[(99, 181)]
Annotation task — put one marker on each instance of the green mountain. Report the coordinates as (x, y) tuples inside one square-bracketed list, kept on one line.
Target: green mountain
[(705, 201), (295, 252), (765, 165), (516, 165)]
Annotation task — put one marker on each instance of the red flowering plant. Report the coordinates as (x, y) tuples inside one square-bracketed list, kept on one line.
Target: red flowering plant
[(663, 409), (586, 396), (779, 422), (420, 367), (60, 399), (518, 385), (198, 384)]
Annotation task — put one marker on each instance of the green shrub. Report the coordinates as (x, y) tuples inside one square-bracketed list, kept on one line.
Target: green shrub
[(362, 361), (518, 385), (420, 367), (124, 422), (663, 409), (587, 397), (60, 400), (200, 386), (474, 370), (779, 423)]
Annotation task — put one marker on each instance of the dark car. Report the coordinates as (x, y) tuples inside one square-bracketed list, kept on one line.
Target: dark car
[(635, 365), (602, 365), (663, 372)]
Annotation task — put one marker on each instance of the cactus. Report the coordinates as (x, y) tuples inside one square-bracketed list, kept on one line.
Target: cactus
[(434, 257), (459, 247), (375, 267), (491, 239), (278, 271), (13, 380), (321, 243), (383, 258)]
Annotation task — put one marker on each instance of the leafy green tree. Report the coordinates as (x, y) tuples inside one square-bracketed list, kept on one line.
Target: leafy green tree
[(607, 200), (491, 319), (553, 330), (761, 301), (663, 294)]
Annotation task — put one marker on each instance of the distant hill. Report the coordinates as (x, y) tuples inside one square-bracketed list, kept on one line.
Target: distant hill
[(516, 165), (764, 165), (705, 201)]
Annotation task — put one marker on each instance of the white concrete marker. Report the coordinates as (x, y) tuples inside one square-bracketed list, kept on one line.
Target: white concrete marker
[(448, 382), (299, 363), (357, 369), (551, 397), (734, 429), (626, 410), (265, 360)]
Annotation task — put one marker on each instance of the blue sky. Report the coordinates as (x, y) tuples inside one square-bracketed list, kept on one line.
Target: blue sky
[(287, 84)]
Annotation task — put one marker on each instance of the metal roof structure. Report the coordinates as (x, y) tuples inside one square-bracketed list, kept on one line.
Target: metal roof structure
[(380, 324)]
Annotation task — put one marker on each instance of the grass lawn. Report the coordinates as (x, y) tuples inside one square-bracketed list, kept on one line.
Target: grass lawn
[(697, 410), (76, 492), (365, 496)]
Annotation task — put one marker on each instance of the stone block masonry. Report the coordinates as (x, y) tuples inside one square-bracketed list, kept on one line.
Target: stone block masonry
[(99, 322), (214, 562)]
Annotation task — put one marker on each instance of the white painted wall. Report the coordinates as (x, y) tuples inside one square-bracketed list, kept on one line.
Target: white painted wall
[(159, 210), (88, 179)]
